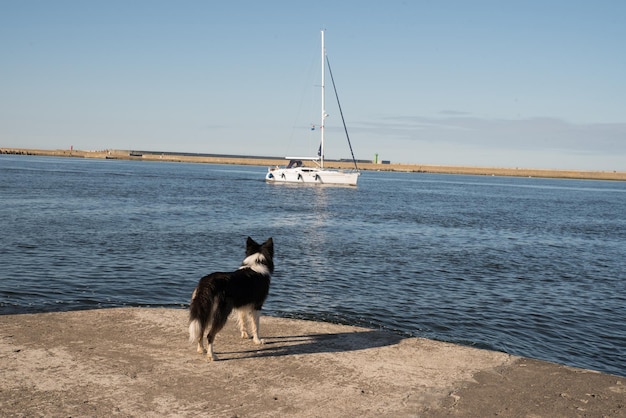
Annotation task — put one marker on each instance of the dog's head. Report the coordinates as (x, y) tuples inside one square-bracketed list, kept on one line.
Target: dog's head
[(259, 257)]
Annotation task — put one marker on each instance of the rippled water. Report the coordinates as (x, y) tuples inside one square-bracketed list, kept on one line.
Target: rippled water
[(532, 267)]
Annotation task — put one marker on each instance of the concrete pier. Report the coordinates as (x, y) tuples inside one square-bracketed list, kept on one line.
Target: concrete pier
[(138, 362)]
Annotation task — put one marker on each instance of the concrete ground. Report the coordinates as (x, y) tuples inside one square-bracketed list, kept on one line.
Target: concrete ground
[(138, 362)]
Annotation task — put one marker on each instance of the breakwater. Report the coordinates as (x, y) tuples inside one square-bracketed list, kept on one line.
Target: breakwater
[(273, 161)]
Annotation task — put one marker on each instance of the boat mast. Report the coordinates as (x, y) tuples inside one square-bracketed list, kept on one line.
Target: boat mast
[(323, 103)]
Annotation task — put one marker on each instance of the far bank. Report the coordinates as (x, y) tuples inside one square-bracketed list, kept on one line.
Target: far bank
[(369, 166)]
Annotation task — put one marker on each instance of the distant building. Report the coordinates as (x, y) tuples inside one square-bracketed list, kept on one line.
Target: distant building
[(377, 161)]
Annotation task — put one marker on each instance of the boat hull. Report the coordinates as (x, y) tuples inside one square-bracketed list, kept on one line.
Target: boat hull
[(305, 175)]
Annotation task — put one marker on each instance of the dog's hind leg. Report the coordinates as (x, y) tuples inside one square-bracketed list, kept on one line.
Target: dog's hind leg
[(254, 316), (218, 320)]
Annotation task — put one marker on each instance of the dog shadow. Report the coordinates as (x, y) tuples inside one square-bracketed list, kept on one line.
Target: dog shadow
[(315, 344)]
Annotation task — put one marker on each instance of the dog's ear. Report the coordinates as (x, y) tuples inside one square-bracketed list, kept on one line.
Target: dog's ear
[(252, 246), (252, 243), (269, 245)]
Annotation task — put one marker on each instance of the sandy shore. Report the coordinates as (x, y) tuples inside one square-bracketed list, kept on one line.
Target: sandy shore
[(268, 162), (137, 362)]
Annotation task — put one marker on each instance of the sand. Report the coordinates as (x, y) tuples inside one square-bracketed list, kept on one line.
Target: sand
[(138, 362)]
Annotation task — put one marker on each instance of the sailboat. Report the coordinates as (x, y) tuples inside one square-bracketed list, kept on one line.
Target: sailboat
[(297, 172)]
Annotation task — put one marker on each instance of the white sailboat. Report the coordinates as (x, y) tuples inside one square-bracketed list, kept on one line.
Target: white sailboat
[(297, 172)]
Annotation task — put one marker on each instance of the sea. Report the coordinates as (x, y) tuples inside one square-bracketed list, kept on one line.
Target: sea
[(532, 267)]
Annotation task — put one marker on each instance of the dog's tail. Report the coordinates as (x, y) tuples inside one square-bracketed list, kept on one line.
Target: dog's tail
[(198, 316), (194, 330)]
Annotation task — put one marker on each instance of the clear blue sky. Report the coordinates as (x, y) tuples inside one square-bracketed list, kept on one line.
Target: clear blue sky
[(535, 84)]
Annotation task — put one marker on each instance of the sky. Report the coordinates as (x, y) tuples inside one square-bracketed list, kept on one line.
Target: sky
[(518, 83)]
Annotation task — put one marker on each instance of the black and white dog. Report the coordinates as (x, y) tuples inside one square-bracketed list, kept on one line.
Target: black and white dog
[(244, 290)]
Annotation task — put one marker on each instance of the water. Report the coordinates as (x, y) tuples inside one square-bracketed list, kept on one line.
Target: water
[(532, 267)]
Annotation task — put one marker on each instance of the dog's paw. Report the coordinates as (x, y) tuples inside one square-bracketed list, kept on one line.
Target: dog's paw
[(210, 358), (244, 335), (258, 341)]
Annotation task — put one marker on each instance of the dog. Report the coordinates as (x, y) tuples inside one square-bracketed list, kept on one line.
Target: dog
[(244, 290)]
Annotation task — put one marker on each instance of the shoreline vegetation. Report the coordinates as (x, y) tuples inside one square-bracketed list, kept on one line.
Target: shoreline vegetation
[(363, 165)]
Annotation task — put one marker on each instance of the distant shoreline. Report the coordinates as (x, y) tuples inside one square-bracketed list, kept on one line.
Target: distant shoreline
[(369, 166)]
